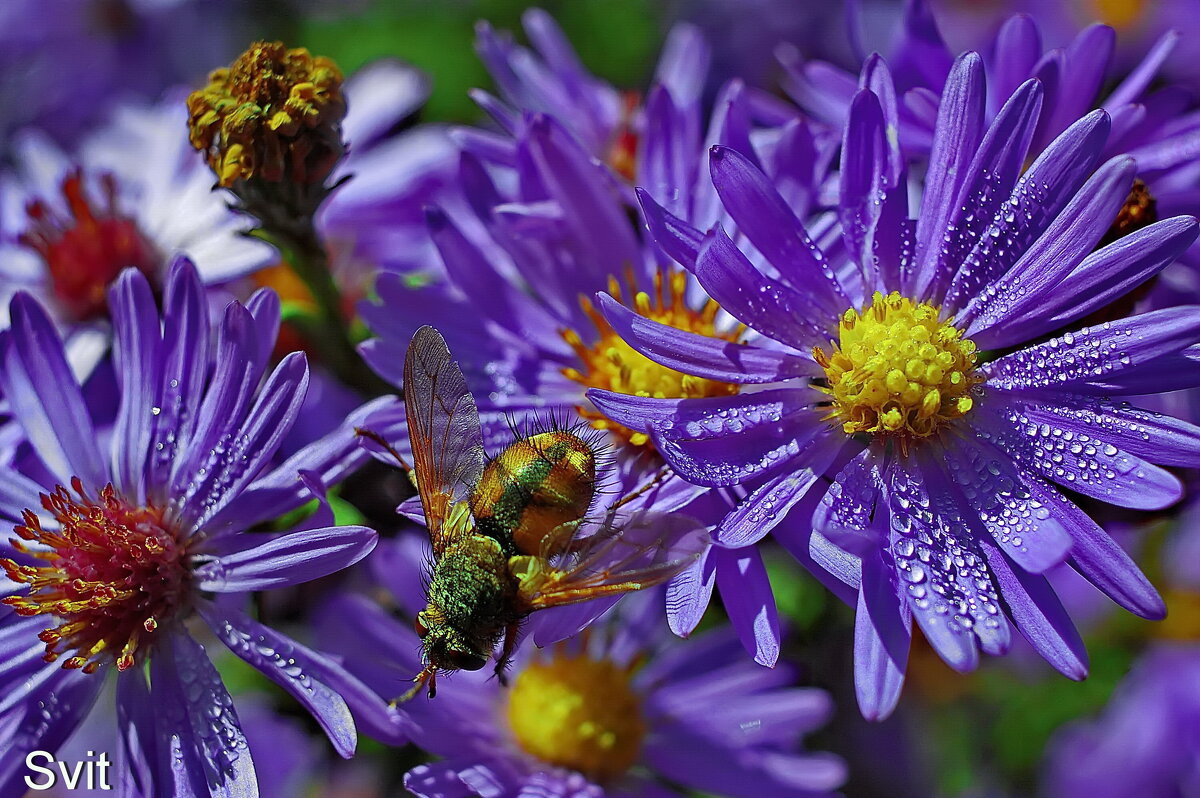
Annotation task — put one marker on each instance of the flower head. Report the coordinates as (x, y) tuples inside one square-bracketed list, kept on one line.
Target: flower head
[(132, 195), (607, 713), (275, 114), (934, 375), (115, 554)]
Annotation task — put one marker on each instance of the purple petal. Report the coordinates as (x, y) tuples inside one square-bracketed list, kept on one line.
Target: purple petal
[(201, 752), (989, 181), (1089, 467), (312, 678), (676, 237), (137, 362), (1074, 362), (1035, 609), (882, 637), (746, 594), (331, 459), (135, 723), (959, 129), (772, 308), (1104, 277), (701, 355), (1036, 203), (185, 350), (715, 443), (1141, 76), (689, 593), (49, 719), (242, 453), (1045, 264), (46, 399), (227, 397), (846, 512), (771, 502), (864, 154), (267, 561), (763, 217)]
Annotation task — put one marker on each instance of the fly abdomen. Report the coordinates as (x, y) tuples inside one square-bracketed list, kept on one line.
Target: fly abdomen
[(534, 486)]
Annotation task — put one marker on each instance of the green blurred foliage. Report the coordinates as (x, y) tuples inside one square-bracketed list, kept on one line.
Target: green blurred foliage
[(617, 39)]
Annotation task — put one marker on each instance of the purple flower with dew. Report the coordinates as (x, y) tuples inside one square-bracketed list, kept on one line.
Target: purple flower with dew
[(613, 712), (120, 552), (553, 227), (1158, 126), (929, 376), (1146, 742), (134, 194)]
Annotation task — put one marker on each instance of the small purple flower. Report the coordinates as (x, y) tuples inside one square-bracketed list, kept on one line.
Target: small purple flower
[(613, 712), (1145, 744), (125, 542), (922, 366)]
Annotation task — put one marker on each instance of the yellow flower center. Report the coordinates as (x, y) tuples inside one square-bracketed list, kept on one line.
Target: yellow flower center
[(1121, 14), (577, 713), (612, 364), (897, 371), (275, 114)]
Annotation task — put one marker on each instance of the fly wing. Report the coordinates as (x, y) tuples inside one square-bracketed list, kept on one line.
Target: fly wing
[(444, 431), (644, 549)]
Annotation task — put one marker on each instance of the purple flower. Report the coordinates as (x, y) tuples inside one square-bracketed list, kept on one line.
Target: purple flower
[(134, 194), (548, 225), (926, 372), (125, 542), (1158, 126), (611, 713), (1146, 743)]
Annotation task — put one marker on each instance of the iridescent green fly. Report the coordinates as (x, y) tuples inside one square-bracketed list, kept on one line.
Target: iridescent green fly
[(506, 532)]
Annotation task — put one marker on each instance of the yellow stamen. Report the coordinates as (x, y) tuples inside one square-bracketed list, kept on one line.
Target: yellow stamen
[(612, 364), (579, 713), (896, 371)]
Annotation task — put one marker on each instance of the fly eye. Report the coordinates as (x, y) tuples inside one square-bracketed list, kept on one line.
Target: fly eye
[(465, 661), (419, 625)]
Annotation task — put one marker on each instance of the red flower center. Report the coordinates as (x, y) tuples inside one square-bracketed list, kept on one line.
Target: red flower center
[(113, 573), (86, 250)]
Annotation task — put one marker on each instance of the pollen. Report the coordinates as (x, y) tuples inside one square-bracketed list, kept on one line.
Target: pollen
[(897, 371), (610, 363), (578, 713), (86, 249), (274, 114), (111, 575)]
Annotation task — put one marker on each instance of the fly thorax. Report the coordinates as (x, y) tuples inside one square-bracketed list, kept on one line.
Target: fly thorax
[(533, 487), (471, 586)]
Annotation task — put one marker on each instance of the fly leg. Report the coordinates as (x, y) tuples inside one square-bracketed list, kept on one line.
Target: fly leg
[(512, 636)]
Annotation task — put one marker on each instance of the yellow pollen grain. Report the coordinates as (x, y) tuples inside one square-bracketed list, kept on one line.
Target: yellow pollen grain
[(578, 713), (897, 370), (612, 364)]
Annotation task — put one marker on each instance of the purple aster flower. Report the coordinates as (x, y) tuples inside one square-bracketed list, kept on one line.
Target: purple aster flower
[(613, 712), (1145, 744), (927, 374), (549, 225), (134, 194), (1158, 126), (125, 545)]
